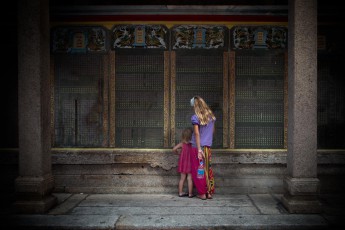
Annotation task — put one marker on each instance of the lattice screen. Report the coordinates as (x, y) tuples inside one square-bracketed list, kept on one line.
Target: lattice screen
[(259, 99), (78, 100), (199, 73), (139, 90)]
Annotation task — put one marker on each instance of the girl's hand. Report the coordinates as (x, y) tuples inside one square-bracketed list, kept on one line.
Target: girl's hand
[(177, 148), (176, 151), (201, 154)]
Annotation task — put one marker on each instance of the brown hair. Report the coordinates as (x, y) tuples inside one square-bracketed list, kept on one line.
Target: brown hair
[(186, 135)]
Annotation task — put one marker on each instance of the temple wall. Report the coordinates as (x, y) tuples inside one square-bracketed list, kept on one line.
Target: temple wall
[(154, 171)]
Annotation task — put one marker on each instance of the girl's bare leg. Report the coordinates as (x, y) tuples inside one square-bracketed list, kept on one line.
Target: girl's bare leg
[(181, 183), (190, 184)]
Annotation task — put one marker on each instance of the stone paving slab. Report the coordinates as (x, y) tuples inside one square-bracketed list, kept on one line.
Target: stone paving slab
[(267, 204), (190, 222), (166, 211), (163, 200), (70, 222), (199, 222), (64, 207), (165, 203)]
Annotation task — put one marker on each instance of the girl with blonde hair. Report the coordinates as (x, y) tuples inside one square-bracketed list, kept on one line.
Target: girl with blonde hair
[(203, 122)]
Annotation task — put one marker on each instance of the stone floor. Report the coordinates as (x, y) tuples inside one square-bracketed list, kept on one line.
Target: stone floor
[(166, 211)]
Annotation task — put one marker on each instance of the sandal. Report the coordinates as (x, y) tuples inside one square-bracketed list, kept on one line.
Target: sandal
[(183, 194), (191, 195), (208, 196)]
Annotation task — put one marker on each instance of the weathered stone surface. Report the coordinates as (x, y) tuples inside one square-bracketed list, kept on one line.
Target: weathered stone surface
[(302, 186), (105, 222), (331, 157), (34, 182), (241, 176), (301, 204)]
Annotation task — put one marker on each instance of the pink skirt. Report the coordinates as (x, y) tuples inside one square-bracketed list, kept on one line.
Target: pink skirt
[(184, 160), (200, 184), (206, 184)]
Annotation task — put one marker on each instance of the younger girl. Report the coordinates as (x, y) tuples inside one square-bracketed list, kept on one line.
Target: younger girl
[(184, 167)]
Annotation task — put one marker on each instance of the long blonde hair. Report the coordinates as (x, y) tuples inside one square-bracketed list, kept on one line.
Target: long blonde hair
[(203, 112)]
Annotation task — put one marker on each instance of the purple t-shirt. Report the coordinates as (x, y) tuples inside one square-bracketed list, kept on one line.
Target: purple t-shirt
[(206, 132)]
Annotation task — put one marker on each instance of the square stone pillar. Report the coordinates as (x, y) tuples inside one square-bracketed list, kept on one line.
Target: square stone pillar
[(35, 183), (302, 185)]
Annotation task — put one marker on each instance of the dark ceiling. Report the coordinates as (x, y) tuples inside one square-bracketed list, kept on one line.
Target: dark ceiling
[(325, 7), (167, 2)]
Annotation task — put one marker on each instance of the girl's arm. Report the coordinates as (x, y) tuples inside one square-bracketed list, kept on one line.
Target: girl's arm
[(197, 140), (176, 147)]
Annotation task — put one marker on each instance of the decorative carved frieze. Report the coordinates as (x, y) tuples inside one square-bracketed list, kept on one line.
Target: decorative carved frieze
[(198, 36), (79, 39), (135, 36), (258, 37)]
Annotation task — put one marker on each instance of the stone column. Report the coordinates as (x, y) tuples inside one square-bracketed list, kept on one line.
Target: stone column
[(301, 184), (35, 183)]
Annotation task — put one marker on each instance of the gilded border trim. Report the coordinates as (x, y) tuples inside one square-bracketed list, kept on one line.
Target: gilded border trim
[(225, 100), (232, 98), (166, 98), (286, 107), (112, 99), (173, 98), (52, 100), (106, 65)]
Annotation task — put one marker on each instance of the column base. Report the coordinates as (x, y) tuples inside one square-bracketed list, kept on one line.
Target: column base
[(35, 206), (301, 195), (33, 195), (301, 204)]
